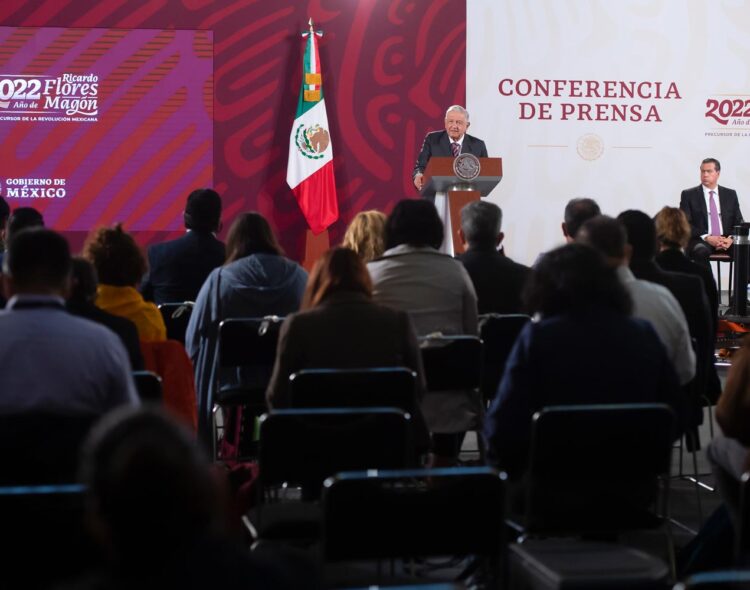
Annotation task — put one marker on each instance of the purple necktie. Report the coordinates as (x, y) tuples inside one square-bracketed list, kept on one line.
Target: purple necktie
[(713, 212), (456, 149)]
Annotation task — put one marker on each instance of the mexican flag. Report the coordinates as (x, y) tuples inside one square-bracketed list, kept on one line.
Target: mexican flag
[(309, 170)]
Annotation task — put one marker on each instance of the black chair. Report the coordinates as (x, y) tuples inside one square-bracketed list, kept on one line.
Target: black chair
[(453, 365), (41, 448), (44, 540), (742, 534), (717, 580), (452, 362), (498, 333), (391, 387), (245, 355), (410, 514), (301, 448), (595, 470), (176, 318), (148, 385)]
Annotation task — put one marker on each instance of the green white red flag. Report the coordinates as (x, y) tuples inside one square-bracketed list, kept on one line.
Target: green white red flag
[(309, 170)]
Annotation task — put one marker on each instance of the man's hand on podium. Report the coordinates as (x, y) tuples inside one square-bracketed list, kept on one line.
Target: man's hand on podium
[(419, 181)]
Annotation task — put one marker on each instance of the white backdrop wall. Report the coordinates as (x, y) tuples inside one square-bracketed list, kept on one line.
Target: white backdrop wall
[(676, 56)]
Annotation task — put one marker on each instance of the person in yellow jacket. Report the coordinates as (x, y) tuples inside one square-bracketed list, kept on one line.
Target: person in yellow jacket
[(120, 264)]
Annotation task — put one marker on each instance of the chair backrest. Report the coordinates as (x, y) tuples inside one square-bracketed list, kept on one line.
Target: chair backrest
[(249, 344), (391, 387), (452, 362), (176, 318), (40, 448), (377, 515), (304, 447), (498, 333), (597, 467), (742, 535), (717, 580), (148, 385), (44, 539)]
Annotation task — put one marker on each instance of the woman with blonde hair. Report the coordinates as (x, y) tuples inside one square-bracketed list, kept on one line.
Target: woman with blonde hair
[(673, 235), (366, 235)]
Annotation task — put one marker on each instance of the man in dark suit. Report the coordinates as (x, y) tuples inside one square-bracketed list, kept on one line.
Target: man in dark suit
[(712, 212), (451, 142), (686, 288), (497, 280), (178, 269)]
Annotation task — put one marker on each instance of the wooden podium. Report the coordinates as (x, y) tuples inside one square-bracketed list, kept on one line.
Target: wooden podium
[(451, 193)]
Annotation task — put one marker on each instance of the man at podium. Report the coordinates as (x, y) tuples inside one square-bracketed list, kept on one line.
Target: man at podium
[(451, 142)]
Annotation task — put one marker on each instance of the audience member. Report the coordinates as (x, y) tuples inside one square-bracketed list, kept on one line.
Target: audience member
[(366, 235), (55, 362), (21, 218), (178, 268), (159, 512), (120, 264), (81, 303), (437, 292), (586, 349), (673, 234), (651, 302), (687, 289), (577, 212), (256, 280), (340, 327), (4, 215), (497, 280)]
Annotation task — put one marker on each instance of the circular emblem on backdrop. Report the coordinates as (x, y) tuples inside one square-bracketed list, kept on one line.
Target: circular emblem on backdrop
[(590, 146), (466, 166), (312, 141)]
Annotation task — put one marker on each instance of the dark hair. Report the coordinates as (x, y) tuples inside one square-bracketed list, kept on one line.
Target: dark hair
[(203, 210), (250, 234), (641, 233), (118, 260), (414, 222), (22, 218), (672, 227), (148, 481), (339, 269), (481, 222), (713, 161), (84, 281), (38, 257), (4, 212), (577, 212), (573, 279), (604, 234)]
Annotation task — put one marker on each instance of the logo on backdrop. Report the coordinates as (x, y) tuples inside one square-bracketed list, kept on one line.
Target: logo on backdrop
[(312, 141), (589, 100), (33, 188), (733, 114), (68, 97)]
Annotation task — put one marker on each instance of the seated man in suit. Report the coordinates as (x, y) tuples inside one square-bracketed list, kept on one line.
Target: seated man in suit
[(451, 142), (497, 279), (179, 268), (712, 212)]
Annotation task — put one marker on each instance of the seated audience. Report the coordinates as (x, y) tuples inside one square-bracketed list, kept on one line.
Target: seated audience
[(120, 264), (436, 291), (687, 290), (366, 235), (81, 303), (256, 280), (340, 327), (497, 279), (673, 234), (160, 513), (54, 362), (4, 215), (178, 268), (577, 212), (651, 302), (19, 219), (585, 349)]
